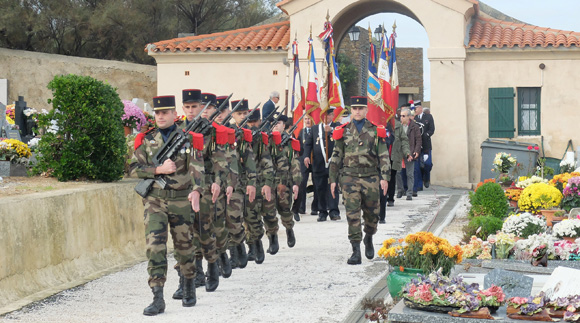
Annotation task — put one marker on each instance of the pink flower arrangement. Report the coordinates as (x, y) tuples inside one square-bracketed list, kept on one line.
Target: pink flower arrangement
[(133, 116)]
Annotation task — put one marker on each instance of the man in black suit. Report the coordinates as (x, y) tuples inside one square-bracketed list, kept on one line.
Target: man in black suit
[(423, 168), (321, 144), (270, 106), (299, 206)]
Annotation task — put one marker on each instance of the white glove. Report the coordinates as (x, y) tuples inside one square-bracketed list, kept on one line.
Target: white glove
[(425, 157)]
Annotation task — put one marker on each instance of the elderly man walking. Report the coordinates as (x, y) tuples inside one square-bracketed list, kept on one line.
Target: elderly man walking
[(405, 178)]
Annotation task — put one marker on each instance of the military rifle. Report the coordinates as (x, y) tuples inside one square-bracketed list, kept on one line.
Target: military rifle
[(229, 116), (265, 124), (277, 119), (286, 136), (167, 151), (244, 121)]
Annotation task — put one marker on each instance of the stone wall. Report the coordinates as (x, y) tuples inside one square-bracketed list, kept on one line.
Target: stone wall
[(28, 74), (410, 67), (56, 240)]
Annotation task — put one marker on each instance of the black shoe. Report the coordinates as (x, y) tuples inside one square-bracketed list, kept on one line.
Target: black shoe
[(260, 256), (213, 277), (274, 247), (242, 255), (189, 298), (199, 274), (399, 195), (291, 239), (335, 217), (296, 217), (414, 194), (321, 218), (369, 248), (179, 292), (158, 305), (252, 252), (234, 262), (390, 203), (382, 221), (314, 213), (409, 198), (226, 265), (426, 183), (355, 258)]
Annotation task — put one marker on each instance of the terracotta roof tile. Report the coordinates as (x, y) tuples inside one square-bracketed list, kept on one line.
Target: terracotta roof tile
[(488, 32), (274, 36)]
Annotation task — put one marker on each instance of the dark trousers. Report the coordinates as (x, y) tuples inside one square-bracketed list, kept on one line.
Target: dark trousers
[(299, 205), (390, 197), (423, 171), (326, 203)]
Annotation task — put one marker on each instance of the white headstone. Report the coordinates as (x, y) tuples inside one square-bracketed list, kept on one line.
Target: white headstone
[(139, 102), (147, 108), (563, 282), (4, 91)]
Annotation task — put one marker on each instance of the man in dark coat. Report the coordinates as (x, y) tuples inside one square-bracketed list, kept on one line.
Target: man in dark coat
[(423, 168), (405, 177), (321, 145), (269, 107), (299, 206)]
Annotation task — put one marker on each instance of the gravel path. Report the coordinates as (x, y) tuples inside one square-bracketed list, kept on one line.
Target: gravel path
[(308, 283)]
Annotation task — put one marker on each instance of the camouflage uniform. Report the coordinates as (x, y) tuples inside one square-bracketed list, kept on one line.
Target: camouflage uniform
[(361, 160), (168, 206)]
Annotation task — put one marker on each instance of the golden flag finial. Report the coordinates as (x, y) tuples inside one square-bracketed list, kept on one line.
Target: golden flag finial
[(310, 30), (394, 26), (370, 33)]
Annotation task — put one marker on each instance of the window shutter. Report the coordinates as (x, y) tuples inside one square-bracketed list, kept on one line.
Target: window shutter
[(501, 112)]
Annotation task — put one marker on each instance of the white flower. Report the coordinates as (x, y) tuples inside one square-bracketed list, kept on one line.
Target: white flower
[(517, 223), (529, 181), (33, 142), (567, 228)]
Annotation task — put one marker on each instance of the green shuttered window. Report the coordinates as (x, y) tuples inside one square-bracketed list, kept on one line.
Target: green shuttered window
[(501, 112)]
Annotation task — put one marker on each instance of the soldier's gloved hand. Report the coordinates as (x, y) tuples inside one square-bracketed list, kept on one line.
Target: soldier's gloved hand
[(229, 192), (251, 192), (215, 192), (168, 167), (384, 186), (267, 192), (281, 188), (295, 191), (332, 189), (194, 197)]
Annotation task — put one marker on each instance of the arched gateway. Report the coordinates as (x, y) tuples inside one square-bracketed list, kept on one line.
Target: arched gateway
[(447, 25)]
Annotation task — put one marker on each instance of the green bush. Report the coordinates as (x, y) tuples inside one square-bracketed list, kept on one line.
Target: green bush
[(490, 200), (84, 135), (482, 227)]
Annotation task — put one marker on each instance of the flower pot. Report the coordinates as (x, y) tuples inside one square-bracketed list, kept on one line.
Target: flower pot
[(128, 130), (569, 239), (549, 214), (513, 203), (397, 279)]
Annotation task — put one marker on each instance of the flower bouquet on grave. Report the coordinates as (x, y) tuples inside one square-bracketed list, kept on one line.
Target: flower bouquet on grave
[(503, 162), (524, 249), (540, 256), (567, 250), (503, 242), (568, 229), (528, 308), (571, 194), (562, 307), (523, 225)]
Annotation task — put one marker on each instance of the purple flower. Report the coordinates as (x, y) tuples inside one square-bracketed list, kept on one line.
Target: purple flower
[(133, 117)]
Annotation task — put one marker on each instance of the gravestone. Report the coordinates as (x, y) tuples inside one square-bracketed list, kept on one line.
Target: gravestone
[(513, 284), (13, 134), (562, 282), (3, 122), (4, 91), (19, 118)]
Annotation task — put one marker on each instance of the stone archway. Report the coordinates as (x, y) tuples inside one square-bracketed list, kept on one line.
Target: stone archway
[(446, 23)]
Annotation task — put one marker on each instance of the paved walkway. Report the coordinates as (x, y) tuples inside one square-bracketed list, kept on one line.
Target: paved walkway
[(308, 283)]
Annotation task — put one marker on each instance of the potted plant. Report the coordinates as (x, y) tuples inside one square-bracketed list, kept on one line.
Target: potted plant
[(567, 229), (420, 252), (502, 163), (561, 180), (503, 242), (513, 195), (524, 248), (523, 225), (539, 196), (14, 157), (133, 117), (571, 194)]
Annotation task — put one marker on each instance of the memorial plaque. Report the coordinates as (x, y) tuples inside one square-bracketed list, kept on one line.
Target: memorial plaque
[(513, 284), (562, 282), (13, 134)]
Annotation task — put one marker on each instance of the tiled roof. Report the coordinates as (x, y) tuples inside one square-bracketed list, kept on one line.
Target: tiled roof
[(489, 32), (274, 36)]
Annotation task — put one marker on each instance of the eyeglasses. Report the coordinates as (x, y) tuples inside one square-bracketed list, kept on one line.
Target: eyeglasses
[(404, 115)]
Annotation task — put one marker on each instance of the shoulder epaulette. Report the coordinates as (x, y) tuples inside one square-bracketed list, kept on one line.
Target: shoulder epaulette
[(265, 138), (197, 140), (221, 134), (139, 140), (338, 132), (382, 131), (231, 136), (277, 137), (247, 135), (295, 144)]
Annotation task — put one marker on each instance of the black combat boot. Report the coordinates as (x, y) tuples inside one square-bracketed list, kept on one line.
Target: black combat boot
[(226, 265), (158, 305), (234, 257), (252, 252), (369, 249), (179, 292), (213, 277), (290, 237), (274, 247), (260, 256), (189, 298), (199, 274), (355, 258), (242, 255)]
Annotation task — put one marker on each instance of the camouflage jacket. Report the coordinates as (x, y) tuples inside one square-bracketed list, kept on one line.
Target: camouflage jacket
[(359, 154), (264, 166), (245, 159), (189, 163), (215, 159), (286, 163)]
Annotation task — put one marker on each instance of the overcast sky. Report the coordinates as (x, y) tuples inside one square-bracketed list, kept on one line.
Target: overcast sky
[(557, 14)]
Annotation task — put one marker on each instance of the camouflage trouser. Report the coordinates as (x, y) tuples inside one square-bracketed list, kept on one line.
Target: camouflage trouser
[(253, 217), (283, 204), (235, 217), (206, 225), (158, 214), (360, 193)]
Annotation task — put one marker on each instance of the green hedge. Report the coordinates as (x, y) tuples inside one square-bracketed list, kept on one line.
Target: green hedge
[(89, 140), (489, 200)]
